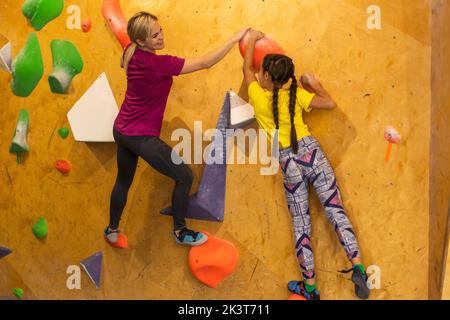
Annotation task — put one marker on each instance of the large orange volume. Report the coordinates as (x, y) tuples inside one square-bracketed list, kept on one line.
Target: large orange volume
[(263, 47), (113, 14), (213, 261)]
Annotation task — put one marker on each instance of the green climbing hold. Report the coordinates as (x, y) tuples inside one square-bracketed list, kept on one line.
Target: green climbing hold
[(19, 143), (63, 132), (67, 63), (27, 68), (41, 12), (18, 292), (40, 228)]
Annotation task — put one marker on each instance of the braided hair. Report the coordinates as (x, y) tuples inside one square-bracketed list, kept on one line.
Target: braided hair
[(281, 69)]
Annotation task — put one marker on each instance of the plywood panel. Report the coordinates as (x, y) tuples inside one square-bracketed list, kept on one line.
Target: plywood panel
[(378, 78)]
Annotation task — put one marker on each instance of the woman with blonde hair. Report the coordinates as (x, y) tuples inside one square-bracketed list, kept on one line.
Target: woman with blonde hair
[(137, 127)]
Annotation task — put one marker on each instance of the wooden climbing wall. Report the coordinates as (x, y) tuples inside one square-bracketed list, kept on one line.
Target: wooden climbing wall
[(378, 77), (440, 155)]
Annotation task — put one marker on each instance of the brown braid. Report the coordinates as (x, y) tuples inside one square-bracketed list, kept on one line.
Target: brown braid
[(292, 104), (281, 69), (275, 106)]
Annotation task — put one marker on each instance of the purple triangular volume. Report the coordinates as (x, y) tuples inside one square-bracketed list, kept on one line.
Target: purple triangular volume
[(209, 202), (93, 267), (4, 251)]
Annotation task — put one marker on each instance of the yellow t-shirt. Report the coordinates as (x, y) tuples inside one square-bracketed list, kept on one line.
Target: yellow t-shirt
[(261, 100)]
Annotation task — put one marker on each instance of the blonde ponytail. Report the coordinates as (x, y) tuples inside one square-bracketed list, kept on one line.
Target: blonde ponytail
[(139, 28), (129, 53)]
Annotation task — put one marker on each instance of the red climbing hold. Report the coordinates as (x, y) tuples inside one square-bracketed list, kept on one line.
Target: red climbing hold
[(263, 47), (213, 261), (86, 25), (63, 166)]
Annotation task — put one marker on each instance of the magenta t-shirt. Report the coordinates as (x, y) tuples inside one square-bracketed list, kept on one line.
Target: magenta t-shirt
[(149, 82)]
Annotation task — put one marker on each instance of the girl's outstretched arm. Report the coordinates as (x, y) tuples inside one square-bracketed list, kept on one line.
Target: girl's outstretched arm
[(322, 99), (213, 57), (249, 72)]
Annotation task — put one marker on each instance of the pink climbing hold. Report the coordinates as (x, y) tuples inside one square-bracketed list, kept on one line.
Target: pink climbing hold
[(86, 25), (392, 136)]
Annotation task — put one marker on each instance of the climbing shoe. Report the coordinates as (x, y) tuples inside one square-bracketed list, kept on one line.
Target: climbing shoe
[(115, 238), (298, 287), (189, 237), (359, 278)]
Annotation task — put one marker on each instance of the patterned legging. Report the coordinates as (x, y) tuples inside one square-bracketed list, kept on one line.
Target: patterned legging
[(310, 166)]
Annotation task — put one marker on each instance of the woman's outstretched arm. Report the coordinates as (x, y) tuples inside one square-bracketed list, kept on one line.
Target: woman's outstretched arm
[(213, 57)]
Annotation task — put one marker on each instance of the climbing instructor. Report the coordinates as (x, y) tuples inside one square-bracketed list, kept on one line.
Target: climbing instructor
[(138, 125)]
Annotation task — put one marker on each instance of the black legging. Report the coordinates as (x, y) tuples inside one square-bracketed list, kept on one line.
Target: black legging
[(158, 155)]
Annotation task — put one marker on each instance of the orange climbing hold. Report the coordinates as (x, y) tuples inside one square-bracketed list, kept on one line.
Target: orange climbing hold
[(213, 261), (263, 47), (122, 241), (63, 166), (296, 297), (112, 12)]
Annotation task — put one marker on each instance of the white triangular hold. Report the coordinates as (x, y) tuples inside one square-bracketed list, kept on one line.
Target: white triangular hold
[(6, 57), (241, 111), (92, 117)]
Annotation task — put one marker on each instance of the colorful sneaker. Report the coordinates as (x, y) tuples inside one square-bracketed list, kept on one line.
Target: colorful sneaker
[(359, 278), (189, 237), (298, 287), (115, 238)]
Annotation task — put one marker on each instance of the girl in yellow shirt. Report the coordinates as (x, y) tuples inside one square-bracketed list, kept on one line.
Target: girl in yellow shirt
[(302, 160)]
